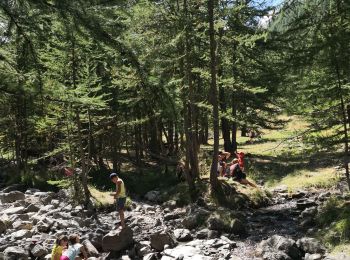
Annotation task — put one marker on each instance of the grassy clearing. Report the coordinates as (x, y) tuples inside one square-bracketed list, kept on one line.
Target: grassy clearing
[(318, 178), (103, 198), (334, 223)]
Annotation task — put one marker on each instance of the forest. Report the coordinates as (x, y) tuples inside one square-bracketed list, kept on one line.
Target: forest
[(155, 90)]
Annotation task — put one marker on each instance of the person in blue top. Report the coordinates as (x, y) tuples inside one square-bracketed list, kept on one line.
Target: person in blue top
[(74, 250)]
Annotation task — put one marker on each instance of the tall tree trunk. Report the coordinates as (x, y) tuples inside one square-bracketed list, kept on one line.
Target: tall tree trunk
[(214, 98), (345, 128), (84, 169), (234, 123)]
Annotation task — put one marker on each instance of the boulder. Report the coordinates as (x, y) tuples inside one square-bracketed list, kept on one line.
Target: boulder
[(313, 256), (20, 234), (182, 235), (237, 227), (339, 256), (153, 196), (190, 222), (32, 208), (280, 189), (117, 240), (160, 239), (171, 204), (150, 256), (14, 210), (2, 227), (278, 247), (275, 255), (215, 223), (311, 245), (11, 196), (38, 251), (184, 252), (44, 225), (302, 204), (19, 224), (202, 234), (15, 253), (90, 249), (14, 187), (143, 248), (309, 212)]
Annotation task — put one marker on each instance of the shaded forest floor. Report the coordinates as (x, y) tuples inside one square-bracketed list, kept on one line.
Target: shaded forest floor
[(279, 158)]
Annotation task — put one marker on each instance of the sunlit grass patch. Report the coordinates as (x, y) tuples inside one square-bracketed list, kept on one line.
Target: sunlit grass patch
[(342, 248), (319, 178), (334, 222), (102, 197)]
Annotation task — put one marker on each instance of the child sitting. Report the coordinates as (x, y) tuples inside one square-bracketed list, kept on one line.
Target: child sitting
[(60, 246), (74, 250)]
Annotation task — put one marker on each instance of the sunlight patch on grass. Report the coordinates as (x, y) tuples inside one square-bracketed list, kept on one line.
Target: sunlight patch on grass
[(342, 248), (102, 197), (320, 178)]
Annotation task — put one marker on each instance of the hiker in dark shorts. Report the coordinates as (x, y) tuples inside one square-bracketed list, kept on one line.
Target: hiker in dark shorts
[(222, 165), (120, 196), (238, 175)]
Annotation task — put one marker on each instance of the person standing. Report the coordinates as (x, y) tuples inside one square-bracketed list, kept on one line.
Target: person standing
[(120, 196)]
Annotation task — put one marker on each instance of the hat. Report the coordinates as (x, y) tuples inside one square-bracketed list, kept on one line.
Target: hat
[(112, 175)]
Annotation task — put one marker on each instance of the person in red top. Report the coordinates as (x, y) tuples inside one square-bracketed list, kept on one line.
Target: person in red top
[(240, 157)]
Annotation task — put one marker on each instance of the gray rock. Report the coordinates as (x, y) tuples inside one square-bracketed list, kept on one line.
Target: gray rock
[(14, 210), (90, 249), (190, 222), (32, 208), (20, 234), (302, 204), (275, 255), (311, 245), (237, 227), (182, 235), (117, 240), (280, 189), (150, 256), (339, 256), (3, 227), (11, 196), (312, 256), (160, 239), (184, 252), (309, 212), (171, 216), (153, 196), (19, 224), (213, 234), (278, 247), (15, 253), (215, 223), (44, 225), (171, 204), (39, 251), (143, 248), (203, 233)]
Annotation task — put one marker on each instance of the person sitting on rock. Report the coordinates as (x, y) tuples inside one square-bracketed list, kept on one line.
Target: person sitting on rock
[(223, 156), (61, 245), (120, 196), (240, 158), (238, 175), (74, 250)]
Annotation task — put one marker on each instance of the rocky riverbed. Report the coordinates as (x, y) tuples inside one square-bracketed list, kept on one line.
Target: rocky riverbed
[(31, 220)]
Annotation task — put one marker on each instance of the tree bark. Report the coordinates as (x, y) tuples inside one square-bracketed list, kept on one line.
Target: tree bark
[(214, 98)]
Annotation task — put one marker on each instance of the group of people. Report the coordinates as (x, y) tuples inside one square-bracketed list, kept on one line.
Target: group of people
[(233, 169), (68, 248)]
